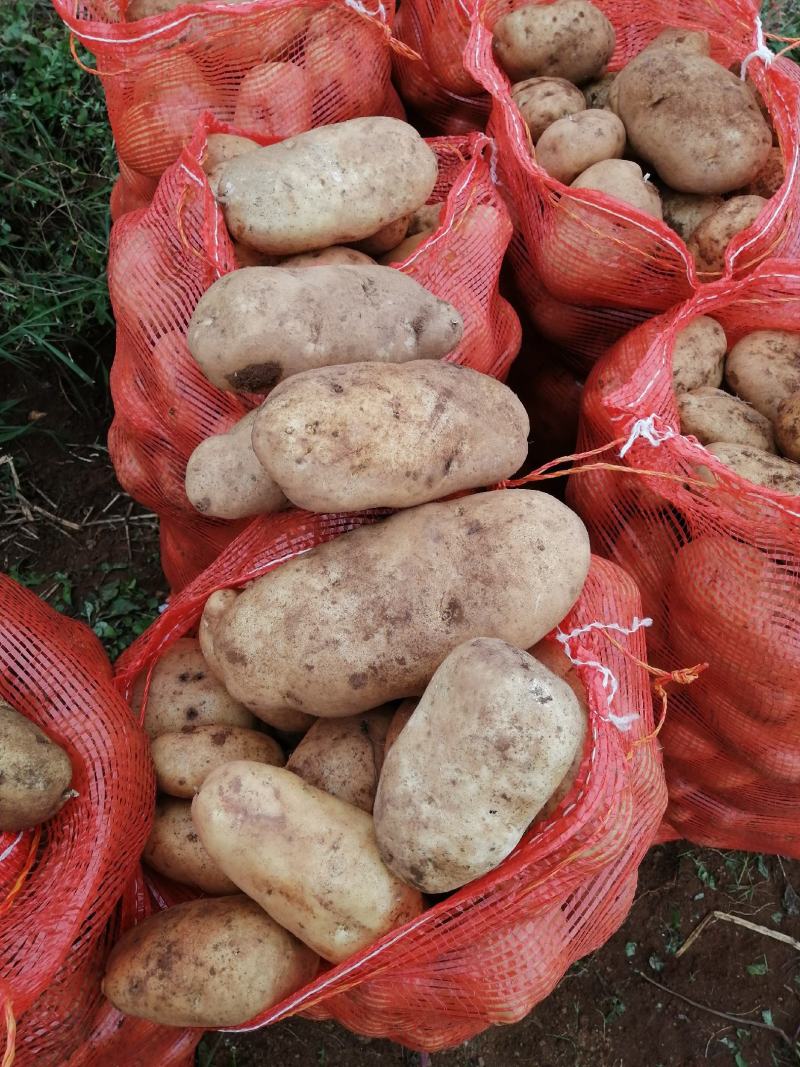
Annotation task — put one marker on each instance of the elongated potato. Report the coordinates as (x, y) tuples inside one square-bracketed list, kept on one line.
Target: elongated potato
[(698, 355), (787, 426), (764, 369), (328, 257), (568, 39), (624, 180), (254, 327), (709, 242), (206, 963), (713, 415), (391, 600), (220, 147), (310, 860), (543, 101), (487, 746), (685, 211), (332, 185), (371, 435), (571, 145), (174, 849), (757, 466), (35, 772), (183, 760)]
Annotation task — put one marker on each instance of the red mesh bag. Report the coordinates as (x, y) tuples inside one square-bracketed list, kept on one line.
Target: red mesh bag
[(719, 572), (163, 259), (492, 950), (587, 260), (272, 67)]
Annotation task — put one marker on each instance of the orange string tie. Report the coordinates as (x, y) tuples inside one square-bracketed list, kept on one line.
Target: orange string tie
[(16, 888), (188, 247), (11, 1033)]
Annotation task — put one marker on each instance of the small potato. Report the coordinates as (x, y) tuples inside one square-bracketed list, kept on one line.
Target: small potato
[(425, 219), (569, 39), (487, 746), (595, 93), (274, 100), (183, 760), (248, 257), (698, 355), (787, 427), (220, 147), (399, 719), (206, 963), (253, 328), (685, 211), (174, 850), (404, 249), (710, 240), (369, 435), (757, 466), (224, 479), (695, 42), (713, 415), (624, 180), (770, 178), (543, 101), (35, 773), (764, 369), (310, 860), (573, 144), (153, 131), (386, 238), (328, 257), (344, 757)]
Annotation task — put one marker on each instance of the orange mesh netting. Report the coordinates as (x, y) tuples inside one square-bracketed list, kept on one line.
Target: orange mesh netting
[(719, 572), (588, 259), (495, 948), (271, 67), (163, 259)]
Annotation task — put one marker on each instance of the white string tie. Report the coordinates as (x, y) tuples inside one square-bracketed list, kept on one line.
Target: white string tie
[(646, 428), (759, 52)]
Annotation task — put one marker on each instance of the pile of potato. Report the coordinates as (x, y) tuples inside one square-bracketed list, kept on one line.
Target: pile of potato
[(35, 773), (672, 114)]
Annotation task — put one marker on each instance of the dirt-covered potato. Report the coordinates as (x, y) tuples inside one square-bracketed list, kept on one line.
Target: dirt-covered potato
[(404, 712), (224, 478), (695, 122), (174, 850), (713, 415), (252, 328), (695, 42), (770, 178), (571, 145), (35, 772), (543, 101), (685, 211), (206, 963), (394, 598), (328, 257), (569, 39), (386, 238), (757, 466), (624, 180), (487, 746), (344, 757), (425, 219), (331, 185), (787, 427), (595, 93), (764, 369), (710, 240), (184, 692), (309, 859), (183, 760), (220, 147), (698, 355), (369, 435)]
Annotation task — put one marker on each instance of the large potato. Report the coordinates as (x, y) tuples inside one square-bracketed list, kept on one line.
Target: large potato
[(391, 600), (174, 850), (573, 144), (220, 147), (224, 478), (624, 180), (487, 746), (371, 435), (35, 772), (310, 860), (710, 240), (344, 757), (206, 963), (183, 760), (764, 369), (331, 185), (542, 101), (684, 212), (713, 415), (254, 327), (757, 466), (694, 121), (698, 355), (787, 426), (569, 39), (274, 100)]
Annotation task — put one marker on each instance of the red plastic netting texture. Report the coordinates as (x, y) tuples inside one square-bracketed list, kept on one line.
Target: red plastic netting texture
[(495, 948), (719, 572), (164, 258), (589, 266), (273, 68)]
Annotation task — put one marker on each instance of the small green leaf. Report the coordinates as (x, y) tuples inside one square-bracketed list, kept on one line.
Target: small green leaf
[(766, 1016), (761, 867), (630, 949), (758, 968), (656, 963), (777, 917), (739, 1059)]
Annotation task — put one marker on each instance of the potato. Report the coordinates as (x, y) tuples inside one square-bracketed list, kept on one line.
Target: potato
[(624, 180), (763, 368), (543, 101), (573, 144), (698, 355), (220, 147), (595, 93), (369, 435), (206, 963), (344, 757), (694, 42), (224, 478), (787, 426), (404, 249), (685, 211), (426, 219), (253, 328), (327, 257), (404, 712), (487, 746), (710, 240), (331, 185), (444, 47), (755, 465), (310, 860), (713, 415), (174, 850), (569, 39), (394, 598), (248, 257), (35, 773), (184, 692), (770, 178), (386, 238), (183, 760), (274, 100), (335, 45), (153, 131), (694, 121)]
